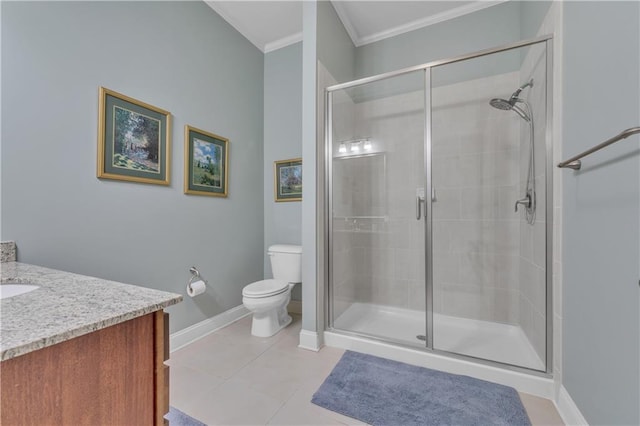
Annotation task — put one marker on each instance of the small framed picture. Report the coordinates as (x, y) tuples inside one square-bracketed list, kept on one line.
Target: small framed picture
[(288, 180), (134, 140), (206, 163)]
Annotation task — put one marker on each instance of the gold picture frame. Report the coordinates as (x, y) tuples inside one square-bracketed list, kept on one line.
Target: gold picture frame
[(287, 180), (134, 140), (206, 163)]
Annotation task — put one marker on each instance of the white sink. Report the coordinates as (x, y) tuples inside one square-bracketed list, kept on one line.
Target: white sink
[(10, 290)]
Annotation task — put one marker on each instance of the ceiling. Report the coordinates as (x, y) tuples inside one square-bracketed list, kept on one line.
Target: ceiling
[(270, 25)]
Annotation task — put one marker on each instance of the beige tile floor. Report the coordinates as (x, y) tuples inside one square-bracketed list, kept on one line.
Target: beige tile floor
[(232, 378)]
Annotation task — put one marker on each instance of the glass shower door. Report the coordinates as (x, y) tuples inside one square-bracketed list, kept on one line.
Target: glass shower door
[(377, 250), (488, 150)]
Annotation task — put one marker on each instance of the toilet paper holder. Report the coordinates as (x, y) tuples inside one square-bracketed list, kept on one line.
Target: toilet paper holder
[(195, 276)]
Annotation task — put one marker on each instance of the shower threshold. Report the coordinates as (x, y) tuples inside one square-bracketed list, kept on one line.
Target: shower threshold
[(492, 341)]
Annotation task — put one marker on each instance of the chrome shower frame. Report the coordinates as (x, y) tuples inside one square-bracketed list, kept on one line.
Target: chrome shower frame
[(427, 67)]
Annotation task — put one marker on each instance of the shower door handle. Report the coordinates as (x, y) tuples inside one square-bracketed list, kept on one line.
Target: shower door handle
[(419, 201)]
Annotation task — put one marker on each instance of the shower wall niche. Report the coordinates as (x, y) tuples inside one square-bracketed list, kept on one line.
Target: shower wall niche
[(426, 249)]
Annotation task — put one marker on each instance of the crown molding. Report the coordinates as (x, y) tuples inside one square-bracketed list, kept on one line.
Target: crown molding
[(346, 22), (411, 26), (283, 42), (348, 25)]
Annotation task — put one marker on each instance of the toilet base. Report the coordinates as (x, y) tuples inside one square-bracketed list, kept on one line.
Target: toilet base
[(269, 313), (269, 323)]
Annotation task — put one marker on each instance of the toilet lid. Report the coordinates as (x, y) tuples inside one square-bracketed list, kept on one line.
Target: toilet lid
[(265, 288)]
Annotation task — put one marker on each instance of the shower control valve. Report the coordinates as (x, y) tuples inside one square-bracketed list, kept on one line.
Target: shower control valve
[(526, 201)]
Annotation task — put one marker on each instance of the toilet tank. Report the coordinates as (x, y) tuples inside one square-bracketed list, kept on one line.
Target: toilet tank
[(286, 262)]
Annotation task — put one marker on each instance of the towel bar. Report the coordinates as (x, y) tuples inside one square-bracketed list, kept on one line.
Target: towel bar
[(575, 163)]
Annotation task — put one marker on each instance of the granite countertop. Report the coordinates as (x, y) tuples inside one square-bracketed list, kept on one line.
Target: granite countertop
[(67, 305)]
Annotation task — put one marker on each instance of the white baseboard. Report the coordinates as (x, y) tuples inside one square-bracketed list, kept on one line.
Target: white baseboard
[(309, 340), (197, 331), (568, 409), (295, 307)]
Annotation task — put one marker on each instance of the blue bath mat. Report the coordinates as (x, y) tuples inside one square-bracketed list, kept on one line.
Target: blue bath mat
[(379, 391), (178, 418)]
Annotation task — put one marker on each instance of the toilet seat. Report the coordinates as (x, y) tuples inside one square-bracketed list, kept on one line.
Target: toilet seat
[(265, 288)]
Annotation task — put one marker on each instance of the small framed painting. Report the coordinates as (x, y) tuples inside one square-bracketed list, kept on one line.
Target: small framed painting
[(206, 167), (288, 180), (134, 140)]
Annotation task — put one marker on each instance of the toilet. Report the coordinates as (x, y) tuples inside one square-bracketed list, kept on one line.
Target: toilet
[(268, 299)]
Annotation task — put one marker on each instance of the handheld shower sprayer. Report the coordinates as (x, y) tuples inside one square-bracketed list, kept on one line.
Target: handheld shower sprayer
[(526, 113)]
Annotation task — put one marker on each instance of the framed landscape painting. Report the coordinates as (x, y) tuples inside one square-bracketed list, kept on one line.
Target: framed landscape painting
[(206, 167), (134, 140), (288, 180)]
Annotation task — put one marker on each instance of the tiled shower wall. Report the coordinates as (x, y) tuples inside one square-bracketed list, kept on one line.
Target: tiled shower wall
[(476, 233)]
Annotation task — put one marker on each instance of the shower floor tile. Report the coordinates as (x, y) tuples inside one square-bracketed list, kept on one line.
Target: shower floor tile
[(232, 378)]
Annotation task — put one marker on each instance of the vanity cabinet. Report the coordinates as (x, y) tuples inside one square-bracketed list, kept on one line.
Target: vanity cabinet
[(112, 376)]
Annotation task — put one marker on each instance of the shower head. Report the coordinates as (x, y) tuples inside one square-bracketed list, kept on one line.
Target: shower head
[(501, 104), (510, 104), (505, 105)]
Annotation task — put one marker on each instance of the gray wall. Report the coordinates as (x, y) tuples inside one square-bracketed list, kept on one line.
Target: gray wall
[(486, 28), (336, 51), (282, 132), (532, 13), (327, 46), (180, 56), (601, 209), (309, 210)]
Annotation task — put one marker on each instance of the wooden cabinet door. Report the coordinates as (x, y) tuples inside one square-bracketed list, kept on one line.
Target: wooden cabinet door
[(113, 376)]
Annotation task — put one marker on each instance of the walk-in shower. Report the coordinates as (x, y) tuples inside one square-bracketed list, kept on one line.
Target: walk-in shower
[(424, 166)]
